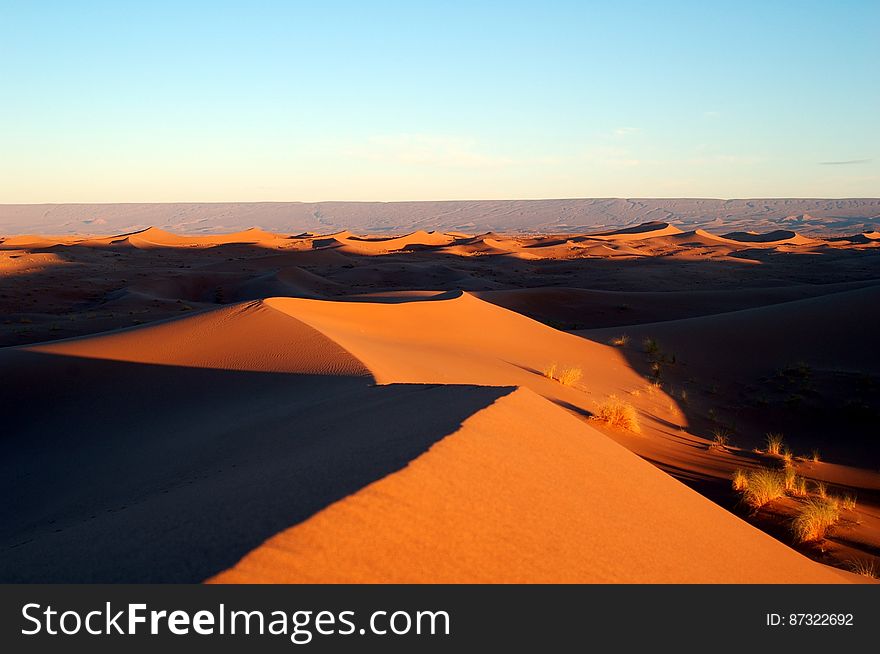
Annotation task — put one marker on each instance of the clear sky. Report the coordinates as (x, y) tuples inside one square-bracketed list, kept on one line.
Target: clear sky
[(329, 100)]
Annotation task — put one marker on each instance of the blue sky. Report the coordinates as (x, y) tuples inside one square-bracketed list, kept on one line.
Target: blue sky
[(225, 101)]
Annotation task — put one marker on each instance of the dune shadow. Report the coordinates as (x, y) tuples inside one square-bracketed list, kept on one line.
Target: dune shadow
[(583, 413), (124, 472)]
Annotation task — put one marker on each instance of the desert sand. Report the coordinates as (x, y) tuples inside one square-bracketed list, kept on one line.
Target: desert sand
[(268, 405)]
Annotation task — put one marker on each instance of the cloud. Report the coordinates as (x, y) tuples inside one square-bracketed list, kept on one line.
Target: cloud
[(845, 163), (626, 131), (427, 150)]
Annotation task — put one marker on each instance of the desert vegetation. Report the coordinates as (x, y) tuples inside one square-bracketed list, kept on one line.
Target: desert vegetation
[(760, 486), (614, 412), (720, 439), (740, 480), (567, 376), (863, 567), (774, 443), (814, 518)]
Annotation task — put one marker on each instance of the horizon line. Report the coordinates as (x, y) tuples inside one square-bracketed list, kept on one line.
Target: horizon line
[(547, 199)]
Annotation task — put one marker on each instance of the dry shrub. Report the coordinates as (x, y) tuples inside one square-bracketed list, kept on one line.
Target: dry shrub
[(794, 485), (774, 443), (863, 567), (720, 439), (763, 486), (790, 476), (814, 518), (565, 376), (617, 413), (569, 376)]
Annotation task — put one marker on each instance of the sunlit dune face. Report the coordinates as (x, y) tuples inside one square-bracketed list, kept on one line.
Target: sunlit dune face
[(523, 493), (24, 262)]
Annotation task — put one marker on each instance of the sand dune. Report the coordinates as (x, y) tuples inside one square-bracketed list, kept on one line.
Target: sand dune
[(643, 231), (579, 308), (34, 242), (383, 245), (803, 368), (250, 336), (477, 508), (839, 336), (349, 407), (776, 237), (517, 538), (769, 239)]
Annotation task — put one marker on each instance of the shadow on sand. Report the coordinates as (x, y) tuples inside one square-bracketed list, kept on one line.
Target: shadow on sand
[(125, 472)]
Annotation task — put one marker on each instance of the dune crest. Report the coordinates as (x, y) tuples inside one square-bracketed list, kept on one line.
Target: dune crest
[(637, 233), (249, 336)]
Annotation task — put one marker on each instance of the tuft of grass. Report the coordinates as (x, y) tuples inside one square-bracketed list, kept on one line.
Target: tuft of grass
[(569, 376), (740, 480), (848, 502), (620, 341), (815, 456), (774, 443), (651, 346), (787, 456), (821, 490), (863, 567), (794, 484), (565, 376), (789, 474), (617, 413), (763, 486), (813, 519), (720, 439)]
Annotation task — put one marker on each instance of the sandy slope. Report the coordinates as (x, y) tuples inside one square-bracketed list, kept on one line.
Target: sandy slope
[(639, 232), (839, 336), (580, 308), (249, 336), (198, 392), (512, 498), (802, 368)]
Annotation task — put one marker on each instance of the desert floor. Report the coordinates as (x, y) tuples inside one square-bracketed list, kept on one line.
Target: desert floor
[(262, 407)]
